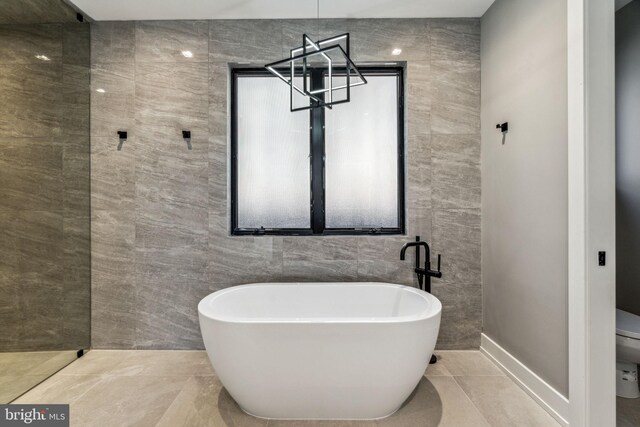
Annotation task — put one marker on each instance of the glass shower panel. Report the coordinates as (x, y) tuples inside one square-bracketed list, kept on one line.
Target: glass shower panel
[(273, 156), (361, 146), (45, 229)]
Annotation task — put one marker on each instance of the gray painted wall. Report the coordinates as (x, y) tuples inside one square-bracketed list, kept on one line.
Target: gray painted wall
[(160, 238), (524, 183), (45, 259), (628, 158)]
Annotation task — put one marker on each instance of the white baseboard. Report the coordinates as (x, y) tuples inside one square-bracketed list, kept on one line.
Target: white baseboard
[(549, 398)]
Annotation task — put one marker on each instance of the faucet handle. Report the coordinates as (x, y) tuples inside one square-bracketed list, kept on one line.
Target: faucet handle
[(439, 256)]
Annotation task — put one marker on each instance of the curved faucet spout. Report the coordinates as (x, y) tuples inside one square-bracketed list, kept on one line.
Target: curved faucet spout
[(425, 272), (403, 250)]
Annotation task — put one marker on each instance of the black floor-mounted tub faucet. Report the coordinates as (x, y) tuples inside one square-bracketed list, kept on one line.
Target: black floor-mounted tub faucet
[(425, 272)]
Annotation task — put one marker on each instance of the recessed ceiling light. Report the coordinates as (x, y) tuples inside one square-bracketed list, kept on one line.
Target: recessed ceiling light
[(43, 58), (187, 54), (396, 51), (100, 90)]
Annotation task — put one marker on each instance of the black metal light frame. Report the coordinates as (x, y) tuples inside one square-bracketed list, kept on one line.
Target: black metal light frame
[(277, 69), (317, 162)]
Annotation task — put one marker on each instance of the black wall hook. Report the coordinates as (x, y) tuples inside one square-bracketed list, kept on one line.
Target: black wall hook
[(122, 135), (186, 134), (504, 127)]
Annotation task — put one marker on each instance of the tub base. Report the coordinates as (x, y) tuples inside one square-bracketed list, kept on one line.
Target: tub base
[(323, 419)]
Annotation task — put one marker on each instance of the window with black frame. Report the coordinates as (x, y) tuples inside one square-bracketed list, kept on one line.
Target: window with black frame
[(318, 171)]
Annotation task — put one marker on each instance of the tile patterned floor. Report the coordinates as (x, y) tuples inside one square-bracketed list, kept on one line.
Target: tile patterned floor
[(19, 371), (628, 412), (179, 388)]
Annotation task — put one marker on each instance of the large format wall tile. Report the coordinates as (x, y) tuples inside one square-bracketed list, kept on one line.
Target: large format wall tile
[(375, 39), (171, 98), (418, 170), (160, 225), (76, 308), (76, 98), (113, 173), (293, 30), (245, 40), (21, 43), (10, 313), (44, 183), (456, 171), (35, 238), (379, 256), (461, 322), (419, 223), (218, 87), (171, 193), (112, 98), (319, 271), (379, 260), (171, 179), (113, 307), (10, 287), (455, 40), (457, 237), (76, 44), (29, 91), (42, 312), (176, 200), (76, 177), (113, 42), (384, 248), (218, 183), (456, 97), (419, 97), (239, 260), (319, 259), (169, 284), (164, 41), (36, 11), (319, 249), (9, 257), (31, 174)]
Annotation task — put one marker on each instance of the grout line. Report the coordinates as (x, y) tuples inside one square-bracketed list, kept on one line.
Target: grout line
[(189, 377), (477, 408)]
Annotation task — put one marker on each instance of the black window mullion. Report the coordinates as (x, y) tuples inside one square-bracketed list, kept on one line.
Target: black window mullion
[(317, 160)]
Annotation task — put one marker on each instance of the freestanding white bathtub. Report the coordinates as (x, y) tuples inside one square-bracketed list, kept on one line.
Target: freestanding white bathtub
[(320, 350)]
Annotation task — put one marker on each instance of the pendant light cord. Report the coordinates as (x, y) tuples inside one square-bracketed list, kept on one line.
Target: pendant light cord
[(318, 19)]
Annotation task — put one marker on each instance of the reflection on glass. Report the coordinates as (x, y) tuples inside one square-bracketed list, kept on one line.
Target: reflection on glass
[(45, 276)]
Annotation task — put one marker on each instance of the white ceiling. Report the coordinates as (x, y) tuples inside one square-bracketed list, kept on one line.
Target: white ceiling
[(121, 10)]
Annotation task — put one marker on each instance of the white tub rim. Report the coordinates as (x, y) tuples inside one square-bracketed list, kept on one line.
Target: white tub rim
[(435, 306)]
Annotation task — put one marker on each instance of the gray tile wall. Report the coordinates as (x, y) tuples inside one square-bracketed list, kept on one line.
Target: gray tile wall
[(45, 253), (159, 212)]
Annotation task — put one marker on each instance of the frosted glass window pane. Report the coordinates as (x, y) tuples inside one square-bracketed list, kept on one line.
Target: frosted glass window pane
[(273, 157), (361, 145)]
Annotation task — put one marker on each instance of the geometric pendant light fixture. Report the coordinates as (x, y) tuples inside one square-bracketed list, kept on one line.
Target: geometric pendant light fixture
[(329, 57), (319, 74)]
